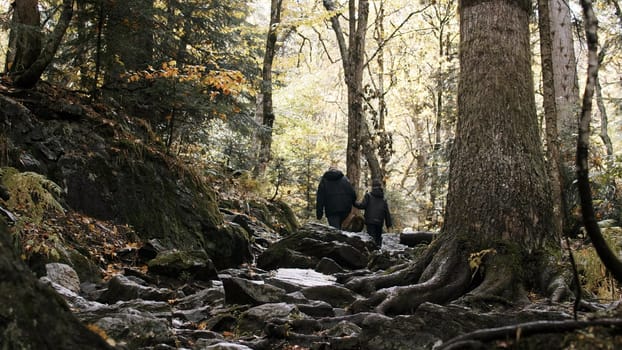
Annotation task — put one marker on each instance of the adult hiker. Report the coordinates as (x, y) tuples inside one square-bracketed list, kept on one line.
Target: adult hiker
[(377, 212), (335, 197)]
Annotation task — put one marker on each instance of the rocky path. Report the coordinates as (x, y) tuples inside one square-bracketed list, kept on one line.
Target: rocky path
[(294, 297)]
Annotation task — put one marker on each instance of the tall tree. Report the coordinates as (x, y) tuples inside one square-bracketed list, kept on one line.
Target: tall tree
[(561, 97), (498, 193), (550, 114), (383, 139), (498, 207), (267, 112), (31, 75), (25, 36), (605, 253), (353, 61), (440, 17), (129, 37), (27, 58)]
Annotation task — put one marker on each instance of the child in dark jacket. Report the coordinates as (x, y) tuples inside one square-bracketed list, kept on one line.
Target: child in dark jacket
[(376, 212)]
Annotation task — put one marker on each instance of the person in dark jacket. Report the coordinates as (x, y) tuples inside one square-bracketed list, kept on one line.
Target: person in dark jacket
[(335, 197), (377, 212)]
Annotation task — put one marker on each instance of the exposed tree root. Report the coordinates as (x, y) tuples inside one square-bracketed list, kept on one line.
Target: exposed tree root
[(314, 333), (499, 285), (521, 330), (451, 280), (445, 278), (407, 275)]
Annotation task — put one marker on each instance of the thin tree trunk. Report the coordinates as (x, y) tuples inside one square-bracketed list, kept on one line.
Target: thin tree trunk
[(606, 255), (550, 116), (375, 168), (353, 57), (98, 53), (266, 86), (604, 119), (384, 145)]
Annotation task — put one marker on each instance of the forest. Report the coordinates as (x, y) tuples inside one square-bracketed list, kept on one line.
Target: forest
[(160, 163)]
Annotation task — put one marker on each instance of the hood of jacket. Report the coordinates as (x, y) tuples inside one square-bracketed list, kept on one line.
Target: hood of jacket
[(333, 174), (377, 192)]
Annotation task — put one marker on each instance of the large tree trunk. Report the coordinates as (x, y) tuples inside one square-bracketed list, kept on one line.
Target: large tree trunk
[(498, 204), (31, 75), (25, 37), (499, 195), (32, 315)]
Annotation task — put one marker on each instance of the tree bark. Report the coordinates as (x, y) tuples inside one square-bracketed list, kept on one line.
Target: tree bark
[(384, 145), (498, 191), (32, 315), (368, 148), (25, 36), (566, 93), (604, 119), (267, 111), (550, 116), (32, 74), (353, 60)]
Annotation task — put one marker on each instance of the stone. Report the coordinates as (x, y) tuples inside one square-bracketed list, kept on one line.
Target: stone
[(63, 275)]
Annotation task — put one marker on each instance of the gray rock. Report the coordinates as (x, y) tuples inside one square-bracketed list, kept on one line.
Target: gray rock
[(222, 346), (192, 264), (135, 329), (74, 300), (254, 319), (64, 275), (335, 295), (242, 291), (316, 308), (204, 297), (328, 266), (126, 288)]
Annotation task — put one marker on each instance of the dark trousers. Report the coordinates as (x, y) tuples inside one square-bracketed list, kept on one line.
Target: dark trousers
[(376, 232), (336, 220)]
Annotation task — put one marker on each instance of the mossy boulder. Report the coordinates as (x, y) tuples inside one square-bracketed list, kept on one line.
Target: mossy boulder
[(228, 246), (277, 215), (108, 172), (146, 191), (193, 264)]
